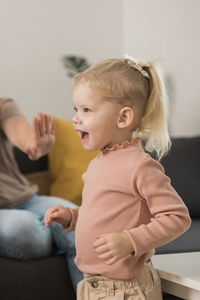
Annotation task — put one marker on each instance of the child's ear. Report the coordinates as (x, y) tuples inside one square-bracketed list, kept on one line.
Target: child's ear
[(126, 116)]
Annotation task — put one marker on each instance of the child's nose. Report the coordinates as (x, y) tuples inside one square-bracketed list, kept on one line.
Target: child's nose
[(76, 119)]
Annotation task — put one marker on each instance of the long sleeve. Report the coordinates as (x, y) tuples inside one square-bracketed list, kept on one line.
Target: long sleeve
[(170, 216), (125, 190)]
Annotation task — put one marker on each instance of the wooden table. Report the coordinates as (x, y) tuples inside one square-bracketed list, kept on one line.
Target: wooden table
[(180, 274)]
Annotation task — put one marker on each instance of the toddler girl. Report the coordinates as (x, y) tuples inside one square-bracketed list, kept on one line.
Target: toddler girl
[(128, 205)]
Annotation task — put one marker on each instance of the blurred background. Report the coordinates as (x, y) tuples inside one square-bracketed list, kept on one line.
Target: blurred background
[(36, 34)]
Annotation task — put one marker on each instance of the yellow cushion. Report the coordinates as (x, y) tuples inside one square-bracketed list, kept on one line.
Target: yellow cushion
[(68, 160)]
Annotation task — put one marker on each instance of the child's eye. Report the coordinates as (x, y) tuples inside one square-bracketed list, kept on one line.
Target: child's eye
[(86, 109), (75, 109)]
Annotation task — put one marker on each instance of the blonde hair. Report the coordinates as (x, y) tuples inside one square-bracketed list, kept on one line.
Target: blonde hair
[(118, 80)]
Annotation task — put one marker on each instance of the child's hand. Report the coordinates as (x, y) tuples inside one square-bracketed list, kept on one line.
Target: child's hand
[(58, 214), (43, 136), (113, 246)]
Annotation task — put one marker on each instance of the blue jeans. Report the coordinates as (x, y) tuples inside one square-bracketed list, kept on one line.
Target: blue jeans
[(24, 236)]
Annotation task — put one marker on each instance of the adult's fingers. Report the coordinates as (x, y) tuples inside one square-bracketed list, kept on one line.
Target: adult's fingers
[(46, 124), (41, 124), (52, 126), (36, 129)]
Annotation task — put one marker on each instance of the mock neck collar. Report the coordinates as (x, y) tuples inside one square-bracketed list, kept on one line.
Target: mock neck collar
[(124, 144)]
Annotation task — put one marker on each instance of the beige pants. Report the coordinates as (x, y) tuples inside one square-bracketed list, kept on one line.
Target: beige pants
[(146, 286)]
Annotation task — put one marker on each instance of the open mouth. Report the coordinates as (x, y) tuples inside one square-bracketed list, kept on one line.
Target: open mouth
[(83, 135)]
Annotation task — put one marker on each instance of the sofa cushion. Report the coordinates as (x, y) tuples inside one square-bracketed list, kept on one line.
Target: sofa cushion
[(45, 278), (67, 161), (182, 165), (187, 242)]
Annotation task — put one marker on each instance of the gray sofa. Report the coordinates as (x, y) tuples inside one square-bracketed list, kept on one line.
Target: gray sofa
[(182, 165)]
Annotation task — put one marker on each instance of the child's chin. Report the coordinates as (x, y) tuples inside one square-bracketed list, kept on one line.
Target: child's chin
[(90, 149)]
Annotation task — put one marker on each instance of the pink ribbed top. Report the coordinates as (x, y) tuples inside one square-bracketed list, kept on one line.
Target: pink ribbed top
[(126, 190)]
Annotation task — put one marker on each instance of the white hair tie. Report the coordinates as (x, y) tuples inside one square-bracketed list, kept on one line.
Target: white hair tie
[(138, 65)]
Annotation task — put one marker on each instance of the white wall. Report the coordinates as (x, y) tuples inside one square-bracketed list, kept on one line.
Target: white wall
[(35, 34), (169, 32)]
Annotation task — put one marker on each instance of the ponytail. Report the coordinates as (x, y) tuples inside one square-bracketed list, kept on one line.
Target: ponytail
[(154, 124)]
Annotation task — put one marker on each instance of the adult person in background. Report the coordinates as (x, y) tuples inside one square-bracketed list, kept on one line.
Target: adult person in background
[(23, 235)]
